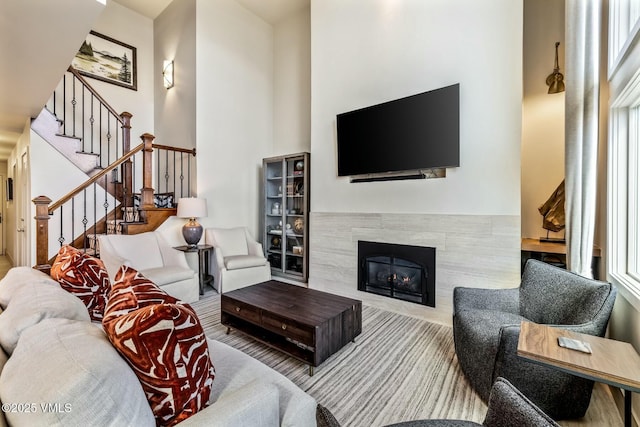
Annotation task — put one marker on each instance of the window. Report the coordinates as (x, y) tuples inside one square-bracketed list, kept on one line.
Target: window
[(623, 177)]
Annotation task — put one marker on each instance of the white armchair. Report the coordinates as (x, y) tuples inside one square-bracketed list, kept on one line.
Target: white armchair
[(238, 259), (154, 258)]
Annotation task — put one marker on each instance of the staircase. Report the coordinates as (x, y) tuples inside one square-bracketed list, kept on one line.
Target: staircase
[(95, 139)]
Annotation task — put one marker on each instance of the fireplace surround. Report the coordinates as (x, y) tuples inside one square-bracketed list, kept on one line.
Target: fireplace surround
[(402, 272)]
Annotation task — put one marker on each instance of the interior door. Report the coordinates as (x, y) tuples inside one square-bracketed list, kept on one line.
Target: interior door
[(24, 207), (2, 207)]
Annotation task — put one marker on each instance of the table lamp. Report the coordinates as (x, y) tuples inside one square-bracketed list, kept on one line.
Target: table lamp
[(192, 208)]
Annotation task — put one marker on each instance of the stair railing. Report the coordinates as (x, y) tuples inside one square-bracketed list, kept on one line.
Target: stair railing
[(104, 201), (83, 212), (84, 114)]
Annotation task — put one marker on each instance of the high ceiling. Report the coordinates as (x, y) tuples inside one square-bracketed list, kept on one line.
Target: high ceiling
[(38, 40), (270, 10), (37, 43)]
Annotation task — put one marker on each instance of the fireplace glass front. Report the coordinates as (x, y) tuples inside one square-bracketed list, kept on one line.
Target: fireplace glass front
[(397, 271)]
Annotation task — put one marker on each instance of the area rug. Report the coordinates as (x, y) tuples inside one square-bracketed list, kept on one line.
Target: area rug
[(399, 369)]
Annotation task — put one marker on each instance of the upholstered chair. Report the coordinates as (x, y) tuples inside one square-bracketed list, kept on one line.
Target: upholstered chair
[(239, 260), (486, 328), (154, 258), (507, 407)]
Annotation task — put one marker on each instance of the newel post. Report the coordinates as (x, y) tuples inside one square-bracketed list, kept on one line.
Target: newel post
[(42, 233), (147, 171), (126, 131), (126, 169)]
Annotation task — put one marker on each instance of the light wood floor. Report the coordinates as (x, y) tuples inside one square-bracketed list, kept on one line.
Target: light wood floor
[(5, 265)]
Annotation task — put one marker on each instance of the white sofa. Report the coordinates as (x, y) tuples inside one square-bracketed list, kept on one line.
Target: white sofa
[(238, 259), (151, 255), (63, 371)]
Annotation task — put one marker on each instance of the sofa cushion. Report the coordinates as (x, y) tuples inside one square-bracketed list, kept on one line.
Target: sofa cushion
[(235, 370), (3, 361), (17, 277), (71, 368), (163, 275), (164, 343), (243, 261), (83, 276), (32, 303), (232, 241), (551, 295)]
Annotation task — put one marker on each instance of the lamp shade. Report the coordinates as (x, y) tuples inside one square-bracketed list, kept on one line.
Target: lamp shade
[(192, 207)]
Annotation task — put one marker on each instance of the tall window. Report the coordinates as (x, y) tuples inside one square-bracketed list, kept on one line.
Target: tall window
[(624, 148)]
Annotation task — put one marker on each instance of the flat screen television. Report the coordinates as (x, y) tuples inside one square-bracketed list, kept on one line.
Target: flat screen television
[(417, 132)]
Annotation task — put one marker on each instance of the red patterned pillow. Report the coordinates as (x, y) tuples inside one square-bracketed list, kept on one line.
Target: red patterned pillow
[(83, 276), (164, 343)]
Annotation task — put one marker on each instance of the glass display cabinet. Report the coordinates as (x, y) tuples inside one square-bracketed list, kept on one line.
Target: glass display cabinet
[(285, 219)]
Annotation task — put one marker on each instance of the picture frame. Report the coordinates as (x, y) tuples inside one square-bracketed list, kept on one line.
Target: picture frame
[(104, 58)]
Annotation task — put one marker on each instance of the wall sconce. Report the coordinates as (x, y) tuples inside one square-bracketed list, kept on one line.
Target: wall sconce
[(167, 73), (555, 80)]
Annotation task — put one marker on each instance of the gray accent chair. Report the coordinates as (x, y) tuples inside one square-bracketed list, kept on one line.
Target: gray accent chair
[(486, 328), (507, 408)]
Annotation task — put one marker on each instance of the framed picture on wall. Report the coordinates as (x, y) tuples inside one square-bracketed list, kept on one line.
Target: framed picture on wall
[(9, 188), (104, 58)]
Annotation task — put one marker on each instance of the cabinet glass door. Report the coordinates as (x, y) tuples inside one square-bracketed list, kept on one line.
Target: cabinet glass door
[(294, 216), (274, 205)]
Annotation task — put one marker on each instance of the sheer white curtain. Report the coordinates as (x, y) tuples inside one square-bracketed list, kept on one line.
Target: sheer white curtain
[(582, 29)]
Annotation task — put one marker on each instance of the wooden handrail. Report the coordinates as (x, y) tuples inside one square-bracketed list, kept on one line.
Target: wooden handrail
[(94, 178), (191, 151), (96, 94)]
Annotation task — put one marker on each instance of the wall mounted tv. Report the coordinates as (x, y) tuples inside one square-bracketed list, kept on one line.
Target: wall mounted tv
[(409, 134)]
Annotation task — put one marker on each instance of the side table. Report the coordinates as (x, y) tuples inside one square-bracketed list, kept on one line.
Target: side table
[(204, 253), (611, 362), (553, 253)]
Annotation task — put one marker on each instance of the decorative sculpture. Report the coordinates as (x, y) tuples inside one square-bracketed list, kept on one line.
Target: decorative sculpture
[(552, 212)]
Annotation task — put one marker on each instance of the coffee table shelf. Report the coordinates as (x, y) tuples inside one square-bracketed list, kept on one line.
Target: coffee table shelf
[(269, 338)]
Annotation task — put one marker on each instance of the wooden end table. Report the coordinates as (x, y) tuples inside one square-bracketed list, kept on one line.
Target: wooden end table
[(204, 252), (303, 323), (611, 362)]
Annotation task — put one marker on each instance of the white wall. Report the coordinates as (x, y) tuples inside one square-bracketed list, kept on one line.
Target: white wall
[(234, 129), (367, 52), (130, 27), (175, 109), (292, 84), (542, 113)]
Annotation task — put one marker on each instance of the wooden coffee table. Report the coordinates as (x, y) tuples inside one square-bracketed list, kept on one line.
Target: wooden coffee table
[(306, 324)]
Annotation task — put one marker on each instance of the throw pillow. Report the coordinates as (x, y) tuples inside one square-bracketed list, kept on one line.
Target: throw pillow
[(164, 343), (83, 276)]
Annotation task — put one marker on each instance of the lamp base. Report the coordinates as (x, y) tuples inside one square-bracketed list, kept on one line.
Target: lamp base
[(192, 232)]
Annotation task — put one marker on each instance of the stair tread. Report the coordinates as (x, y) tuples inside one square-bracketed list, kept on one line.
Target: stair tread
[(68, 136)]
